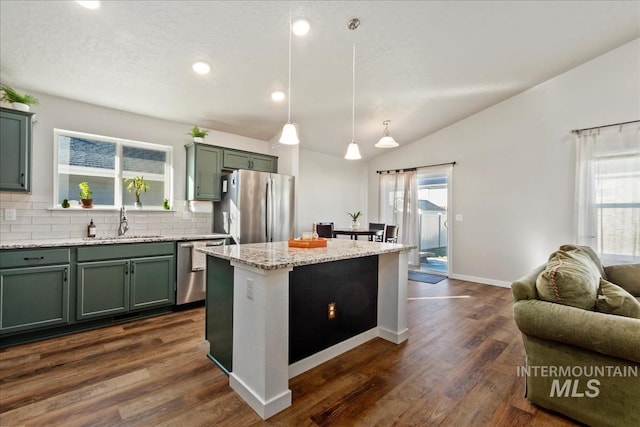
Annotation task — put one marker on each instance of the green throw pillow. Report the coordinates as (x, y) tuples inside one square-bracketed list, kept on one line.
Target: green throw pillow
[(626, 276), (592, 254), (570, 278), (613, 299)]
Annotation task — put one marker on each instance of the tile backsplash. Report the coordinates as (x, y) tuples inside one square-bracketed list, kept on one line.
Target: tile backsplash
[(35, 220)]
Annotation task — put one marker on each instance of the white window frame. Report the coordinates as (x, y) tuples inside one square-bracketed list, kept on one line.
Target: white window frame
[(118, 174)]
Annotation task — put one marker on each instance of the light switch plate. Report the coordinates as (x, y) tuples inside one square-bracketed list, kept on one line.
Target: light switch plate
[(459, 217), (9, 214)]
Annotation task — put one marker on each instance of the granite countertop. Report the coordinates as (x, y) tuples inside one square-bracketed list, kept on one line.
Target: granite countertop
[(276, 255), (86, 241)]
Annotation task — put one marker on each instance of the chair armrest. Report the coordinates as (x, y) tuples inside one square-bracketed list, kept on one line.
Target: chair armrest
[(608, 334), (525, 287)]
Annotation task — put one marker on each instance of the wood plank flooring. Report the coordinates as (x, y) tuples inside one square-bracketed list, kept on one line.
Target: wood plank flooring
[(458, 368)]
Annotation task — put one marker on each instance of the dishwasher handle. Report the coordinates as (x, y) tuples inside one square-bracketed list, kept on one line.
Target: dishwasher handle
[(208, 243)]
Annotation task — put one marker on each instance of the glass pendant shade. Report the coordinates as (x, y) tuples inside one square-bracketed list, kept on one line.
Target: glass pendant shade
[(386, 142), (353, 152), (289, 135)]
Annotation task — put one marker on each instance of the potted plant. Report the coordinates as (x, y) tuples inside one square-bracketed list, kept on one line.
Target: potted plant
[(17, 100), (85, 194), (354, 219), (136, 186), (198, 134)]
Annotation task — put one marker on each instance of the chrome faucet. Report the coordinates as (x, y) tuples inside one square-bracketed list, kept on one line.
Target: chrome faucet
[(124, 224)]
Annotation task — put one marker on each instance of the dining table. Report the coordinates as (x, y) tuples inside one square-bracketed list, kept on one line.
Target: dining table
[(354, 233)]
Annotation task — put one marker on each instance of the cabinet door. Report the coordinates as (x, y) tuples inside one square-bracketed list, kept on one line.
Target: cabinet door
[(15, 149), (207, 173), (152, 282), (34, 297), (236, 160), (102, 288), (264, 163)]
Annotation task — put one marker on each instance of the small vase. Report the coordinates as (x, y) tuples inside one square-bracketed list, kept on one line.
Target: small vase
[(198, 139), (137, 205), (355, 225), (20, 106)]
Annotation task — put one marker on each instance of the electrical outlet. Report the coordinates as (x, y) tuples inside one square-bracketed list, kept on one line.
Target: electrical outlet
[(459, 218), (250, 289), (9, 214), (331, 310)]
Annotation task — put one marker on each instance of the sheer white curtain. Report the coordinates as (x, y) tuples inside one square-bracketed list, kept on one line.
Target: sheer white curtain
[(398, 205), (607, 202)]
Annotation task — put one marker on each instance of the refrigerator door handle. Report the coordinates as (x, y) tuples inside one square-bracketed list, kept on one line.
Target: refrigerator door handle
[(266, 212)]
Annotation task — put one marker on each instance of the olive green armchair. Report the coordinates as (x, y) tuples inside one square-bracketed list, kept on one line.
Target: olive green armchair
[(580, 362)]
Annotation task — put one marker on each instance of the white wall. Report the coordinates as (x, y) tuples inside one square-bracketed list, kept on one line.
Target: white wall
[(34, 221), (514, 177), (328, 188)]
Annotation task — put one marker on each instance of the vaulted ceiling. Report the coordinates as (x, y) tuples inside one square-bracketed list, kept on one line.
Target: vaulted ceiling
[(421, 64)]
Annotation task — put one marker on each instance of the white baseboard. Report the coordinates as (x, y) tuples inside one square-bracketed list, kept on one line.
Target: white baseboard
[(481, 280), (262, 408), (327, 354)]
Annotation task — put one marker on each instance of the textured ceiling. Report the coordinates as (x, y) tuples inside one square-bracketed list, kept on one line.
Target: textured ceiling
[(422, 65)]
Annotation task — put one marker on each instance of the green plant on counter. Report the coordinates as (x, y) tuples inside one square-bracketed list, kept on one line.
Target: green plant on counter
[(196, 132), (85, 190), (136, 186), (11, 95), (355, 215)]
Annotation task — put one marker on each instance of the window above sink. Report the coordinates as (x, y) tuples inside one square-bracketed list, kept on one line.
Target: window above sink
[(106, 163)]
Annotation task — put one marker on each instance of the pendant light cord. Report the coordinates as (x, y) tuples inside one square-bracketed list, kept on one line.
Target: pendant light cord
[(289, 90), (353, 96)]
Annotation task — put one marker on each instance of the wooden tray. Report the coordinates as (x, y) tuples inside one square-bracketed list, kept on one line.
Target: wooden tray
[(316, 243)]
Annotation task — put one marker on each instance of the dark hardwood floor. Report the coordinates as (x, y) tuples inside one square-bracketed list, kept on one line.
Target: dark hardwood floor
[(458, 368)]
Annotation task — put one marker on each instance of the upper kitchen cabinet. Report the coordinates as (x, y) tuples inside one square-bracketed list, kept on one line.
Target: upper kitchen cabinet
[(236, 159), (203, 172), (15, 150)]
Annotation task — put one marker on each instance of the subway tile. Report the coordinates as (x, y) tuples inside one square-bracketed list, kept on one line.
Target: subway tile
[(29, 228)]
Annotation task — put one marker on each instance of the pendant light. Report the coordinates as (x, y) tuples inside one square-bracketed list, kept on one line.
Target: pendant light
[(387, 140), (353, 152), (289, 134)]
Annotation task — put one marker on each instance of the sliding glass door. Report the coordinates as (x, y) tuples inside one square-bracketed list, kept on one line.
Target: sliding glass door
[(434, 207)]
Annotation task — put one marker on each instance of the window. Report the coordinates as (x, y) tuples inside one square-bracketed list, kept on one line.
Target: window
[(106, 163), (608, 192)]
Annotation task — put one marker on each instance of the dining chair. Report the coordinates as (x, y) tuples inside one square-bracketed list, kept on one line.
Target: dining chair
[(377, 226), (325, 229), (391, 234)]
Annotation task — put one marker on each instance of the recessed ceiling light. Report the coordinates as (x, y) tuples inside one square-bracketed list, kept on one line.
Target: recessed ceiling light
[(300, 27), (201, 67), (277, 95), (89, 4)]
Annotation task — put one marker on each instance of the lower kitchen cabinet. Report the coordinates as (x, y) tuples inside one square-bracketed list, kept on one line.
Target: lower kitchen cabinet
[(118, 286), (45, 292), (34, 297)]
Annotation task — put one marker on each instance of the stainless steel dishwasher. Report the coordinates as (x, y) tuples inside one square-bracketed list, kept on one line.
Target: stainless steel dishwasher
[(191, 274)]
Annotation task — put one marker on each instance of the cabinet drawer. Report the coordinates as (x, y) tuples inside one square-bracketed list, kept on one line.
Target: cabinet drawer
[(33, 258), (121, 251)]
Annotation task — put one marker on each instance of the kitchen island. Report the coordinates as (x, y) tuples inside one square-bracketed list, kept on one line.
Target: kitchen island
[(274, 312)]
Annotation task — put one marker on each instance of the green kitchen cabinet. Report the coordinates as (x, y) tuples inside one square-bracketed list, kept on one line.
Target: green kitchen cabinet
[(204, 163), (111, 287), (15, 150), (34, 289), (103, 288), (236, 159), (108, 284)]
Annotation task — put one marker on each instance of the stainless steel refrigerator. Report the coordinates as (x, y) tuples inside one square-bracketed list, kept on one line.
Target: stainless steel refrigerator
[(255, 207)]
